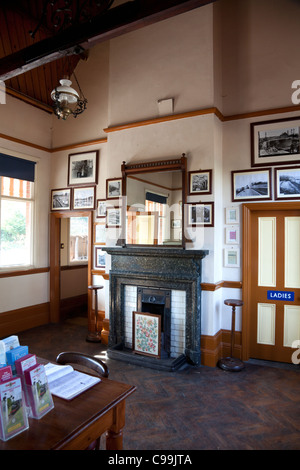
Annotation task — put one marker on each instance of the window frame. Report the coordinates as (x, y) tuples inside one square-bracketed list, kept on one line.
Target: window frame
[(32, 202)]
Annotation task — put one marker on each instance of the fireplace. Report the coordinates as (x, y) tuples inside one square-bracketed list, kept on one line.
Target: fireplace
[(165, 281)]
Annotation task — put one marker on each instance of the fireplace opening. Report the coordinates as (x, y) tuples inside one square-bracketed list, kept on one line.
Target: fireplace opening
[(158, 302)]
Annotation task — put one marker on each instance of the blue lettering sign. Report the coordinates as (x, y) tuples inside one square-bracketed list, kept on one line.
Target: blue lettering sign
[(281, 295)]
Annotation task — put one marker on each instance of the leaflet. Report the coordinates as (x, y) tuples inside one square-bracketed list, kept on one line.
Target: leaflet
[(67, 383)]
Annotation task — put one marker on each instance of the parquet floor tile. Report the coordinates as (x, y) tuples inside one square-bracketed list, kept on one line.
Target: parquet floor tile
[(199, 408)]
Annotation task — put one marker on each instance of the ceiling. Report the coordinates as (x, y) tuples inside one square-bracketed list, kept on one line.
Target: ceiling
[(41, 41)]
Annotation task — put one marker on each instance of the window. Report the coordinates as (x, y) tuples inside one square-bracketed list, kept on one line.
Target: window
[(16, 222), (156, 203)]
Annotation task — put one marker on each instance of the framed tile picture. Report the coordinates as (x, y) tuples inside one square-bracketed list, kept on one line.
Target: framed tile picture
[(146, 334)]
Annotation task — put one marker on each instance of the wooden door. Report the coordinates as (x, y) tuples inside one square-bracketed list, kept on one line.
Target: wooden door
[(273, 299)]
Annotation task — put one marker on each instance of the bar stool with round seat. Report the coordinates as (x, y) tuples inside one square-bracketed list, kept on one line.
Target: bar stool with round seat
[(231, 363), (95, 336)]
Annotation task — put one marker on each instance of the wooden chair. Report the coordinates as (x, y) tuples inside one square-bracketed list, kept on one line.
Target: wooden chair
[(90, 362)]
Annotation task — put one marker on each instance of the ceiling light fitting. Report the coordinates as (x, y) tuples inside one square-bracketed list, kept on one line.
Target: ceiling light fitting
[(67, 101)]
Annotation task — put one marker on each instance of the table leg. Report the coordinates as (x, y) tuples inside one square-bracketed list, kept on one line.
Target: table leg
[(114, 441), (114, 435)]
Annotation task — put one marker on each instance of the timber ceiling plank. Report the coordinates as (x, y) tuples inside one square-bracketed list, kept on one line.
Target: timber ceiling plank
[(33, 66)]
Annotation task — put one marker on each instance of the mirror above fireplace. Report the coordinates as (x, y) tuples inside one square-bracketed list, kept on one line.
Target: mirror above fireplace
[(155, 195)]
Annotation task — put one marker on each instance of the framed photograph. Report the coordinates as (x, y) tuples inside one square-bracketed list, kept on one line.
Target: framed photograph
[(200, 214), (200, 182), (99, 258), (232, 235), (61, 199), (113, 216), (232, 257), (83, 168), (113, 188), (84, 198), (287, 183), (275, 142), (99, 233), (251, 185), (101, 208), (146, 334), (232, 215)]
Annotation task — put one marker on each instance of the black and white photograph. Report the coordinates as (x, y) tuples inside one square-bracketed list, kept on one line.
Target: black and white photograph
[(83, 168), (84, 198), (201, 214), (99, 258), (275, 142), (101, 208), (61, 199), (200, 182), (113, 216), (251, 185), (113, 188), (287, 183)]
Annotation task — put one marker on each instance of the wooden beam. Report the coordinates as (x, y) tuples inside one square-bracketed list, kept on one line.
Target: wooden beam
[(124, 18)]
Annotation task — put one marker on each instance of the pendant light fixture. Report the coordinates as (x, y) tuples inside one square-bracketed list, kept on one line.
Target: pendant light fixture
[(67, 100)]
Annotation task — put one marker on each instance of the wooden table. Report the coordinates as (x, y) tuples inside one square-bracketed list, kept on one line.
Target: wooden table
[(74, 424)]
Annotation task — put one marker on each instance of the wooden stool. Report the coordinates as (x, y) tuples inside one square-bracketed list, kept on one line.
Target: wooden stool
[(231, 363), (95, 336)]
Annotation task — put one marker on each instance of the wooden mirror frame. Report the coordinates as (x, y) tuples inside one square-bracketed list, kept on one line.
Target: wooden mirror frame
[(171, 164)]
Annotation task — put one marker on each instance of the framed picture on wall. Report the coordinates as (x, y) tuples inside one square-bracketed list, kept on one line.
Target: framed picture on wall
[(275, 142), (287, 183), (232, 215), (232, 235), (113, 216), (251, 185), (232, 257), (101, 208), (200, 182), (99, 258), (61, 199), (113, 188), (99, 233), (84, 198), (146, 334), (200, 214), (83, 168)]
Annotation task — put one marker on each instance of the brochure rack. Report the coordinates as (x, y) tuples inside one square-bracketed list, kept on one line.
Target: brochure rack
[(38, 396), (13, 416)]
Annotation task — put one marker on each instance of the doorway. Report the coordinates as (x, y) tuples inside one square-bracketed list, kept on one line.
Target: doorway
[(55, 264), (271, 280)]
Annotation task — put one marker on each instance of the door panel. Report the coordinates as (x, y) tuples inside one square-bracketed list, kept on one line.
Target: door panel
[(274, 303)]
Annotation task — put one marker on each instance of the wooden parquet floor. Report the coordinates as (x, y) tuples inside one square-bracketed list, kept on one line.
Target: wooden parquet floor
[(199, 408)]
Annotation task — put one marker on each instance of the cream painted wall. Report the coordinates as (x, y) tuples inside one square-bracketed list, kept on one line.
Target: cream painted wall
[(170, 59), (260, 53)]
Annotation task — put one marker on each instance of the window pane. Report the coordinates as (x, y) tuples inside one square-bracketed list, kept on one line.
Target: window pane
[(16, 188), (79, 228), (15, 233)]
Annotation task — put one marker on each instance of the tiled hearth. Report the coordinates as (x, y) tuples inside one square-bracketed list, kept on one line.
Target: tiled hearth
[(176, 271)]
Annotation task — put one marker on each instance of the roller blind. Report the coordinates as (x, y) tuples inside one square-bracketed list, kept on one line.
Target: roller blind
[(156, 198), (14, 167)]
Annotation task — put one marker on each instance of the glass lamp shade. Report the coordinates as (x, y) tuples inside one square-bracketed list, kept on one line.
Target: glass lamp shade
[(67, 101), (64, 92)]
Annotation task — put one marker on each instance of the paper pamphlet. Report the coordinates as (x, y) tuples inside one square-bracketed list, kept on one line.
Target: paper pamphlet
[(67, 383)]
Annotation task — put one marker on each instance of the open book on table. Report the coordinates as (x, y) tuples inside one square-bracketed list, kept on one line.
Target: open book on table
[(67, 383)]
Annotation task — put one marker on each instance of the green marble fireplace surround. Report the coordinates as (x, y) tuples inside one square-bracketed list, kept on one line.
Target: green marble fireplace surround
[(158, 268)]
